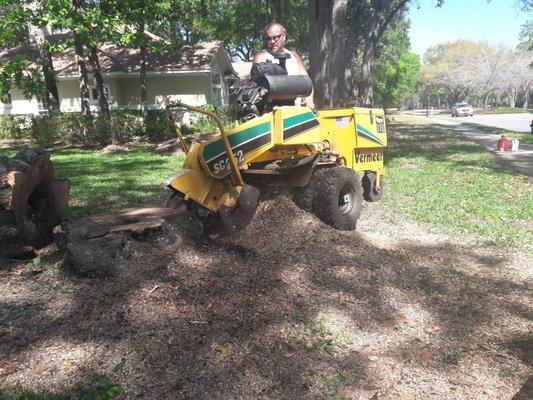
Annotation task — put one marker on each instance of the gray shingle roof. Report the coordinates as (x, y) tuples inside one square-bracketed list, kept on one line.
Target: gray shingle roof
[(117, 58)]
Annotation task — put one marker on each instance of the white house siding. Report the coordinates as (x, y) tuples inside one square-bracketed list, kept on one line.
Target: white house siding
[(190, 89), (193, 89), (19, 104), (187, 88), (69, 95)]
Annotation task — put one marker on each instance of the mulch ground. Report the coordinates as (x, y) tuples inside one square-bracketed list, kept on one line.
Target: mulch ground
[(288, 309)]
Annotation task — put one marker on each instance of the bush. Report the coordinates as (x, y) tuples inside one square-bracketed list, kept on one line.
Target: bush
[(14, 126), (204, 124), (74, 128)]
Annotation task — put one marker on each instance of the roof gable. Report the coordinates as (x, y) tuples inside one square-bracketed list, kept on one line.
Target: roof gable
[(116, 58)]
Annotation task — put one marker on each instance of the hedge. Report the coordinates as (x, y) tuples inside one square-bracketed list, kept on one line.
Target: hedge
[(74, 128)]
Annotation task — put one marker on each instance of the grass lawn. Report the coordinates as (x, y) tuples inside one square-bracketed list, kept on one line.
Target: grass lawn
[(106, 182), (102, 182), (503, 110), (434, 175), (437, 176), (522, 137)]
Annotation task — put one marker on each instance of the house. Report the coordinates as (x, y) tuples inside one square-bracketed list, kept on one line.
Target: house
[(196, 74)]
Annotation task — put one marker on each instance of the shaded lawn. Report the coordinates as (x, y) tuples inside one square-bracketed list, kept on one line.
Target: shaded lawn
[(434, 175), (106, 182), (437, 176)]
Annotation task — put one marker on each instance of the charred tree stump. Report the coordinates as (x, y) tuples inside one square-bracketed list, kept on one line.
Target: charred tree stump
[(32, 202)]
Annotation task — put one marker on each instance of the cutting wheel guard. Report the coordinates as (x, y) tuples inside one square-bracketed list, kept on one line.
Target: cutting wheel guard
[(238, 216)]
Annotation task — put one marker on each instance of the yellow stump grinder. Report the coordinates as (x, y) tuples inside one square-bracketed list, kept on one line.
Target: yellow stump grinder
[(321, 155)]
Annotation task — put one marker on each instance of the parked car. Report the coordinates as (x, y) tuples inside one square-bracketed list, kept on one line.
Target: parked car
[(460, 109)]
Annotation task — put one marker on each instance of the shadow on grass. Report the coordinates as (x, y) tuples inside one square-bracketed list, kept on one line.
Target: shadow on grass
[(436, 143), (248, 317), (107, 182)]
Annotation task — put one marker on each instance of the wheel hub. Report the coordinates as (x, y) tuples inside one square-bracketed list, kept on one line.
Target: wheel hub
[(346, 199)]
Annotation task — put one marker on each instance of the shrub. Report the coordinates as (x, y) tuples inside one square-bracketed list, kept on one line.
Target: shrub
[(74, 128), (14, 126)]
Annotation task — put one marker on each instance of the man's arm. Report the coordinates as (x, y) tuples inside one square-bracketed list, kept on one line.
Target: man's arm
[(259, 57), (309, 101)]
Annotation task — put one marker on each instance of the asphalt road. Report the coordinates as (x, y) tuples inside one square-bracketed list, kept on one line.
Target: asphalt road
[(512, 122)]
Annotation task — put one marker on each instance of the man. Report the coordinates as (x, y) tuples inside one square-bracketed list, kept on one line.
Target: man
[(275, 35)]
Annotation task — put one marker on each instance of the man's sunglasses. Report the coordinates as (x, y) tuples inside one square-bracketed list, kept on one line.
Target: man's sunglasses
[(274, 38)]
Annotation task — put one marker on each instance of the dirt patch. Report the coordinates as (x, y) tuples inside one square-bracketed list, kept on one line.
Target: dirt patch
[(115, 148), (288, 309)]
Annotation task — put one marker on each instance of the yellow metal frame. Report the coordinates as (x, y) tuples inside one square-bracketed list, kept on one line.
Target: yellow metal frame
[(211, 175)]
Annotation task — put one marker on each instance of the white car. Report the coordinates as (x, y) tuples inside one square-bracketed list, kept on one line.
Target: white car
[(460, 109)]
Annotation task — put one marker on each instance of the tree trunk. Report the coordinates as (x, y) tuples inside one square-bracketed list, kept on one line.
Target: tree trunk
[(383, 12), (32, 202), (281, 10), (327, 37), (526, 99), (512, 98), (365, 92), (83, 79), (338, 38), (350, 55), (486, 99), (51, 92), (144, 100), (51, 95), (103, 100), (82, 70), (319, 49)]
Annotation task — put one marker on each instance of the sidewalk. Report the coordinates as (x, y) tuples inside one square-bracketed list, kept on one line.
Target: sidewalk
[(521, 159)]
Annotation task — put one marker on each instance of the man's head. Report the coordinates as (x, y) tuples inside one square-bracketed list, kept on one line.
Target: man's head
[(274, 36)]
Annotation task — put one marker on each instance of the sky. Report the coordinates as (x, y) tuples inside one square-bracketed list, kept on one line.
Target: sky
[(496, 21)]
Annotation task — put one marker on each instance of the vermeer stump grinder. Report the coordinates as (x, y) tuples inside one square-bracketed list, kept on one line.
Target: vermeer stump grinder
[(318, 153)]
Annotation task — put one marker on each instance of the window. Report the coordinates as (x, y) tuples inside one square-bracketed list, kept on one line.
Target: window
[(93, 93), (216, 85)]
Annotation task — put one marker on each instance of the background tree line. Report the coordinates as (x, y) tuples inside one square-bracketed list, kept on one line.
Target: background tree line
[(481, 72), (357, 51), (341, 41)]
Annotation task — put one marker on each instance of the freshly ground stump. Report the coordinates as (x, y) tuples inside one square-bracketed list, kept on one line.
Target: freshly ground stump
[(93, 245), (32, 202)]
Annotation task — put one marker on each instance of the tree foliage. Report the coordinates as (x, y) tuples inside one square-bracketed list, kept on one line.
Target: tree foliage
[(477, 70), (526, 36), (396, 75)]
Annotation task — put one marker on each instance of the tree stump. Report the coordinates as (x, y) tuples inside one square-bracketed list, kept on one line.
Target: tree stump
[(93, 245), (32, 202)]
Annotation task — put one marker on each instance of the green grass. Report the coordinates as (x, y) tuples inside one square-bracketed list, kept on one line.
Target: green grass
[(437, 176), (105, 182), (101, 389), (502, 110), (522, 137)]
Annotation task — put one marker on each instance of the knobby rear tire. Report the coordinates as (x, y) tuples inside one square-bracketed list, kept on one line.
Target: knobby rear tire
[(338, 198)]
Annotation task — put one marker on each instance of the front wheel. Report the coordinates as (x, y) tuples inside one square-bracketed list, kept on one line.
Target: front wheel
[(339, 198), (371, 192)]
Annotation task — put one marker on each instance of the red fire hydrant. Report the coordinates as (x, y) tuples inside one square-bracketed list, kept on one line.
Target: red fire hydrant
[(503, 143)]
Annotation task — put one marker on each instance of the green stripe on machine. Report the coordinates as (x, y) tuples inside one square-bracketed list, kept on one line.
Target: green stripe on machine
[(369, 135), (297, 119), (215, 149)]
